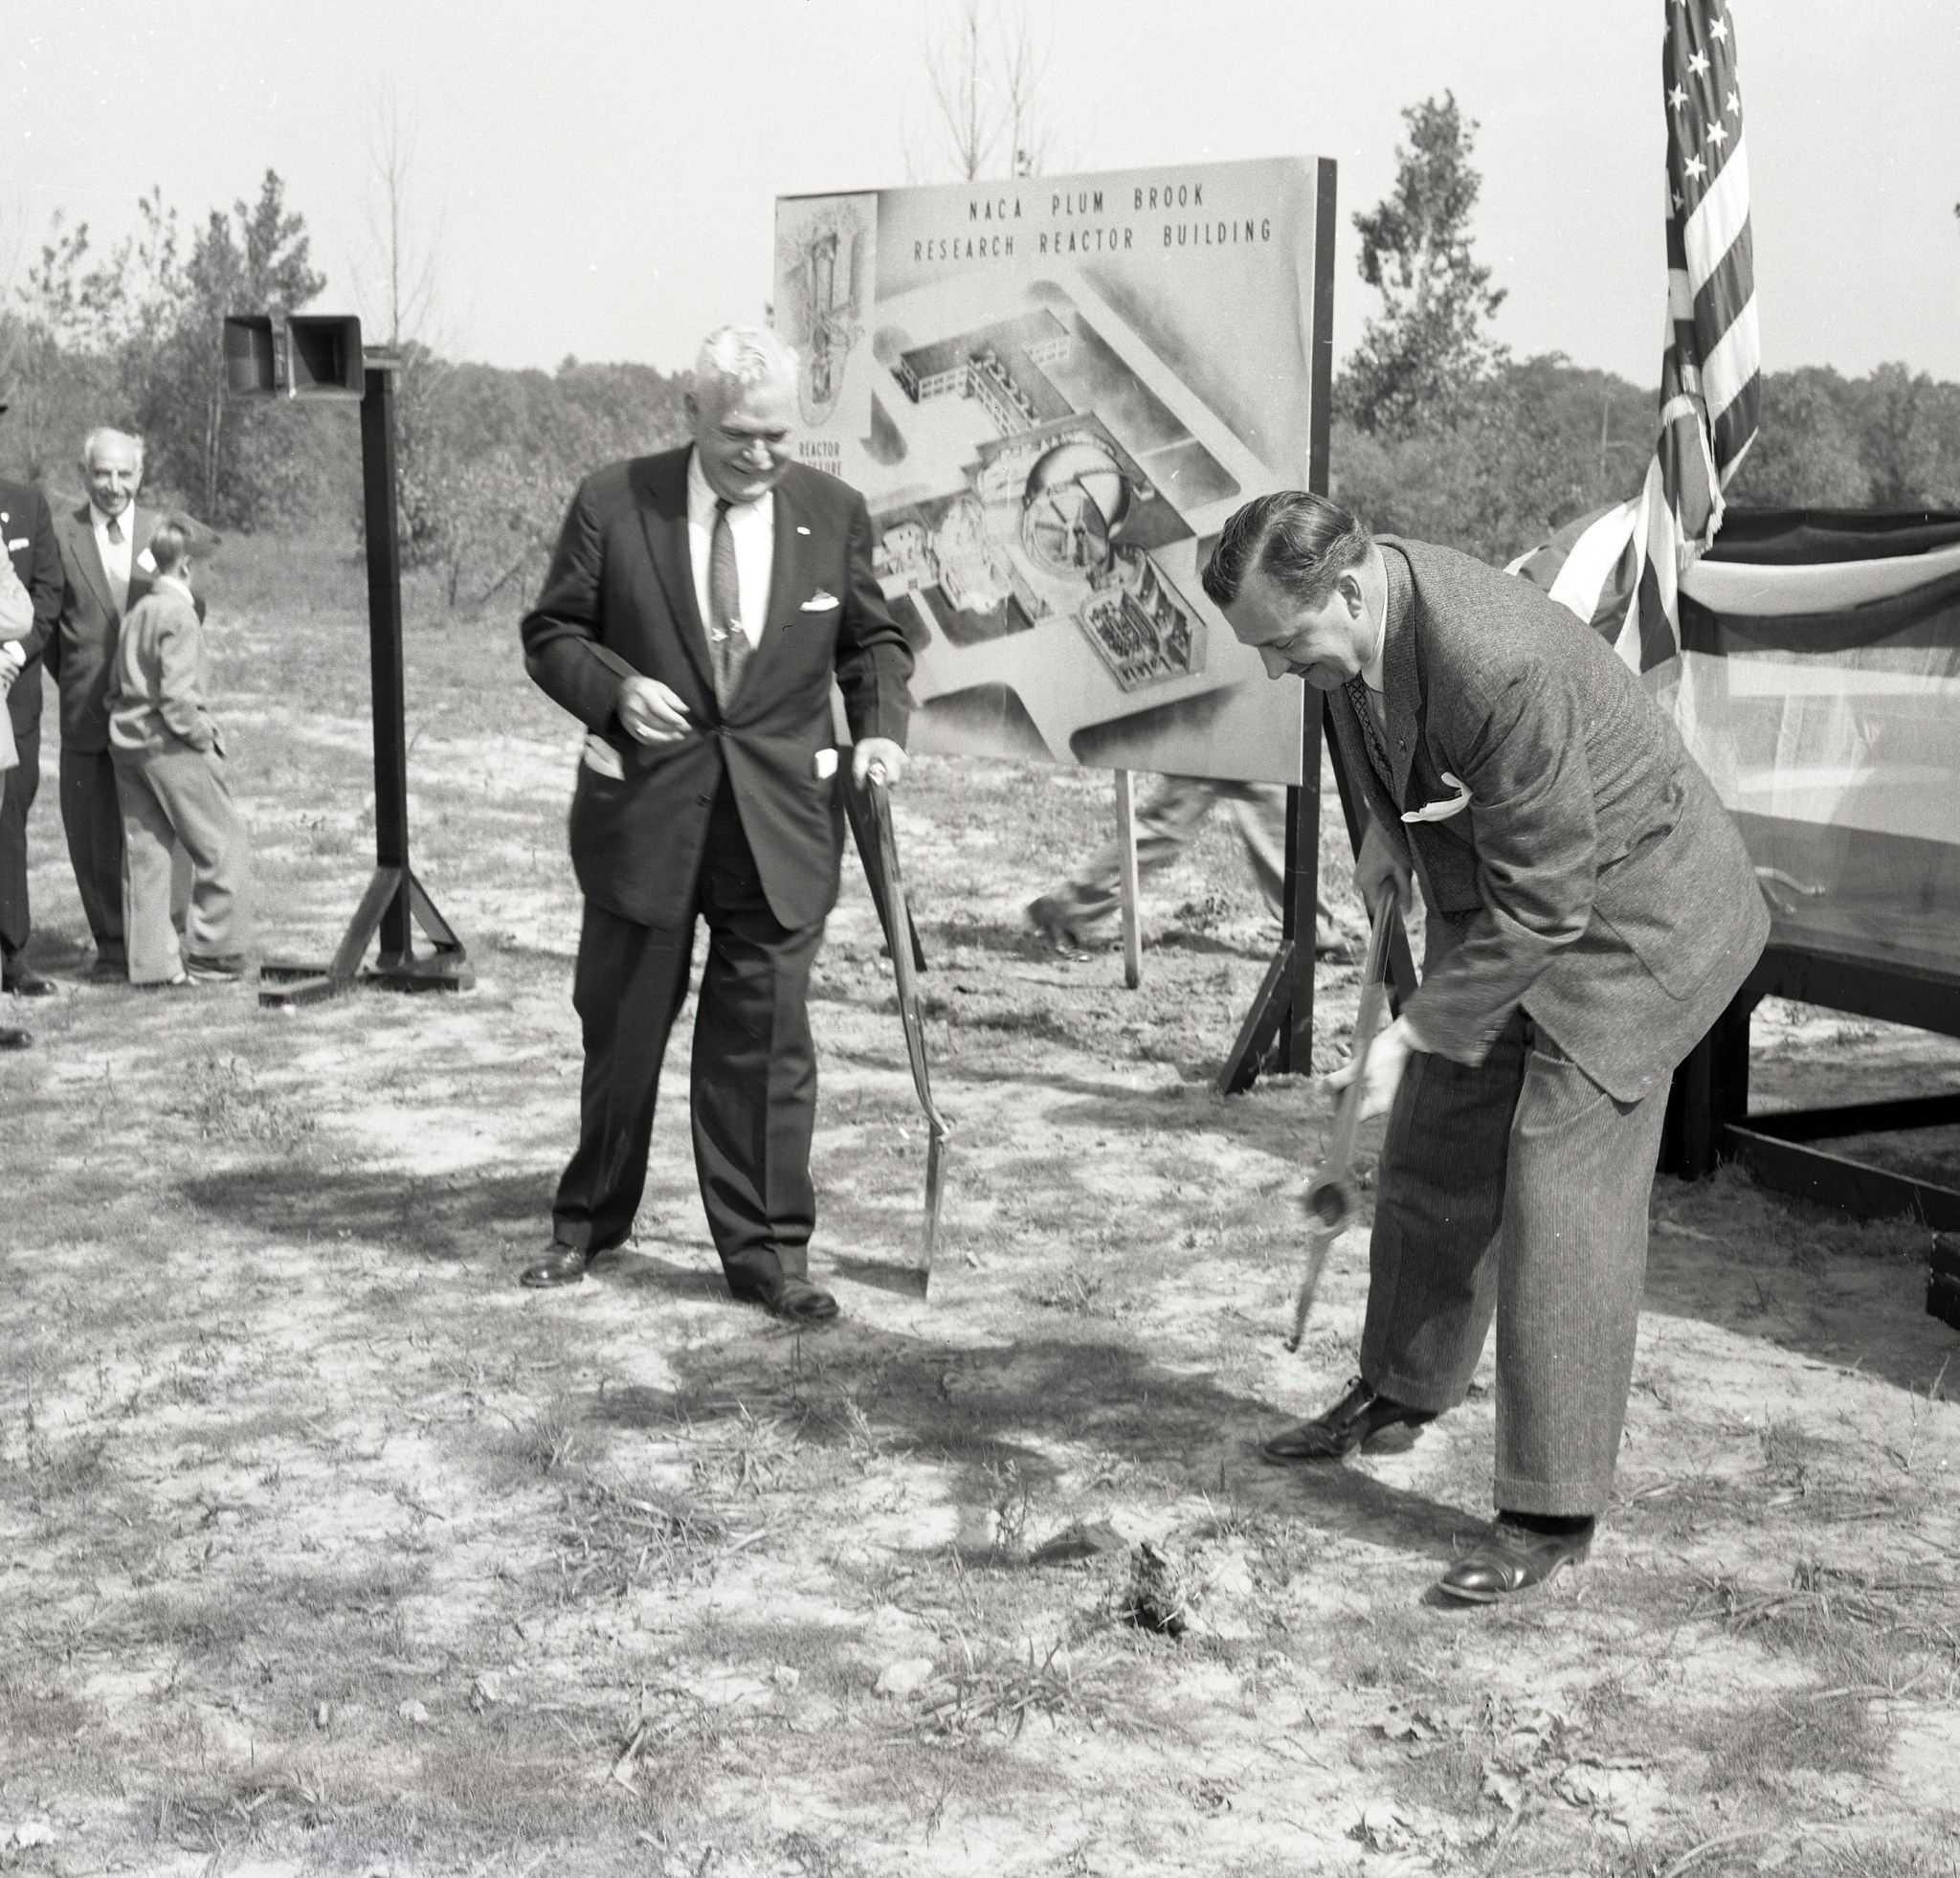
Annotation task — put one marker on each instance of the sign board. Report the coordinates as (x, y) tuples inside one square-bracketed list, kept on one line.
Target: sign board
[(1051, 393)]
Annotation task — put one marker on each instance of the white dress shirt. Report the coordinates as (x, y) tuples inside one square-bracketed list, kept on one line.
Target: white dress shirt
[(753, 526), (118, 556)]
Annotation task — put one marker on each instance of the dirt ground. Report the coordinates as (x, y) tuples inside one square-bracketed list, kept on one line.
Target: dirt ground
[(324, 1548)]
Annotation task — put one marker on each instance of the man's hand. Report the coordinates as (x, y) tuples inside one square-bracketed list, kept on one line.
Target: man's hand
[(878, 756), (1381, 1070), (649, 712), (1378, 863)]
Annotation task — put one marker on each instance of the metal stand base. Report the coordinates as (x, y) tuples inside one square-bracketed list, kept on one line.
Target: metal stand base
[(393, 900), (1710, 1120)]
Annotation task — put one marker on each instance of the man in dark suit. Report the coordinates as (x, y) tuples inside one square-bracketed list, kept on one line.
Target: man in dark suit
[(28, 528), (696, 609), (1591, 910), (105, 555)]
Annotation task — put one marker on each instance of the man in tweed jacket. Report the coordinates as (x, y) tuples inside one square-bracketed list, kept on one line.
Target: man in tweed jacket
[(1591, 910)]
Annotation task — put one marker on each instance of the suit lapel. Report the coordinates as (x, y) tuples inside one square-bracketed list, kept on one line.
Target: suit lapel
[(786, 566), (663, 517), (81, 526), (1401, 680)]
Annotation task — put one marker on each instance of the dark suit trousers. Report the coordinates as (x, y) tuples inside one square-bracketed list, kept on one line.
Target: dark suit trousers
[(22, 784), (1516, 1189), (92, 815), (753, 1093)]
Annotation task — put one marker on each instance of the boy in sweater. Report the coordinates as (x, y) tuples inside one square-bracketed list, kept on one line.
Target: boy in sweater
[(171, 782)]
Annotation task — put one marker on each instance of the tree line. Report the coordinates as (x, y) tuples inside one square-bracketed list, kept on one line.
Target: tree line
[(131, 336), (1438, 432), (1441, 434)]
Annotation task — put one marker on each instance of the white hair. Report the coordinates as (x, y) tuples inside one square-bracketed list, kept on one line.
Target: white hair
[(106, 430), (734, 358)]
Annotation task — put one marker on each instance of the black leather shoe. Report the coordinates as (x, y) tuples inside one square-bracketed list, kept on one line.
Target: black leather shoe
[(24, 981), (1513, 1559), (16, 1040), (560, 1264), (794, 1299), (1356, 1419), (208, 969)]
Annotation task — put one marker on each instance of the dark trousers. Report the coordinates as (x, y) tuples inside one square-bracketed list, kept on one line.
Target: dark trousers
[(753, 1087), (1516, 1189), (92, 815), (23, 783)]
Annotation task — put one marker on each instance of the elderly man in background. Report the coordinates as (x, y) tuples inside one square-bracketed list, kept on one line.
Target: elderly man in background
[(27, 528), (698, 608), (106, 569)]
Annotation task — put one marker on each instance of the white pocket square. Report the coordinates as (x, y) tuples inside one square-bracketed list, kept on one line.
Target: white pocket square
[(1441, 810), (600, 756), (818, 602)]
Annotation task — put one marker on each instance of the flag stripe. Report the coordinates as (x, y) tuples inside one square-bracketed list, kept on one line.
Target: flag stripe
[(1721, 297), (1735, 429), (1733, 362), (1720, 216)]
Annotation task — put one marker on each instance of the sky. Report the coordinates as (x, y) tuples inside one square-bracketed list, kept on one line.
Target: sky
[(600, 175)]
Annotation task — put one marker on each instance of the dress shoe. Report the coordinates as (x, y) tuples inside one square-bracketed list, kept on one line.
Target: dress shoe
[(1047, 920), (206, 968), (1358, 1419), (560, 1264), (1511, 1558), (793, 1298), (24, 981), (108, 970), (16, 1040)]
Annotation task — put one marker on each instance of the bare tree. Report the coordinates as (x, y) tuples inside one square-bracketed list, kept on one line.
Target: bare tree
[(986, 64), (403, 264)]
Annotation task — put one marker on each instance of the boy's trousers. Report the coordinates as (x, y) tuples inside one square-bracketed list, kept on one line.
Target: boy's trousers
[(175, 800)]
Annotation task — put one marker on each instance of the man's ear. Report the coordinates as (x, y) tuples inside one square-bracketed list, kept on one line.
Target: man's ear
[(1348, 586)]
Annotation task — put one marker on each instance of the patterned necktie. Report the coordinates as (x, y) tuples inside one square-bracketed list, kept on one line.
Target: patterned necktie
[(727, 639), (1370, 731), (119, 582)]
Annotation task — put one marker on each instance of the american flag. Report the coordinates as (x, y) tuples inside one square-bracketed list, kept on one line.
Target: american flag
[(1619, 568)]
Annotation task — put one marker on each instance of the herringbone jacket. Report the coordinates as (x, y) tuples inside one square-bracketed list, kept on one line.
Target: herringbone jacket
[(1595, 878)]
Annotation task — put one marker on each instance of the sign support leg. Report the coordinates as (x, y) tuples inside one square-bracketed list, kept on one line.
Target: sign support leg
[(1127, 876)]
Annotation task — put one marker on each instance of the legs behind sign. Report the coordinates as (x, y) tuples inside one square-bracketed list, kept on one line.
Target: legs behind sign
[(1515, 1190), (1082, 912)]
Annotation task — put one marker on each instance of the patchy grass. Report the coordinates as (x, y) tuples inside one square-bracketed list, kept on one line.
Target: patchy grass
[(328, 1549)]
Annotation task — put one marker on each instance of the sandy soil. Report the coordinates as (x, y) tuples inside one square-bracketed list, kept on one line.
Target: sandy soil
[(328, 1549)]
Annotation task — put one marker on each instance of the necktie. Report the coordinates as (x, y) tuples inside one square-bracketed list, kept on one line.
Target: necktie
[(1377, 751), (727, 642), (119, 583)]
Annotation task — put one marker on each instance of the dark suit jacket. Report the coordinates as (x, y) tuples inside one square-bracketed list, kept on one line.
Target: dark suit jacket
[(1595, 878), (83, 647), (619, 594), (27, 526)]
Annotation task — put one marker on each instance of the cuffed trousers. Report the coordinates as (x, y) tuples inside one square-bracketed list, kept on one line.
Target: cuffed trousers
[(753, 1084), (175, 804), (1516, 1189)]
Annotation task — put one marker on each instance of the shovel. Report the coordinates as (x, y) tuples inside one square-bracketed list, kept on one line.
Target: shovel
[(901, 941), (1330, 1199)]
